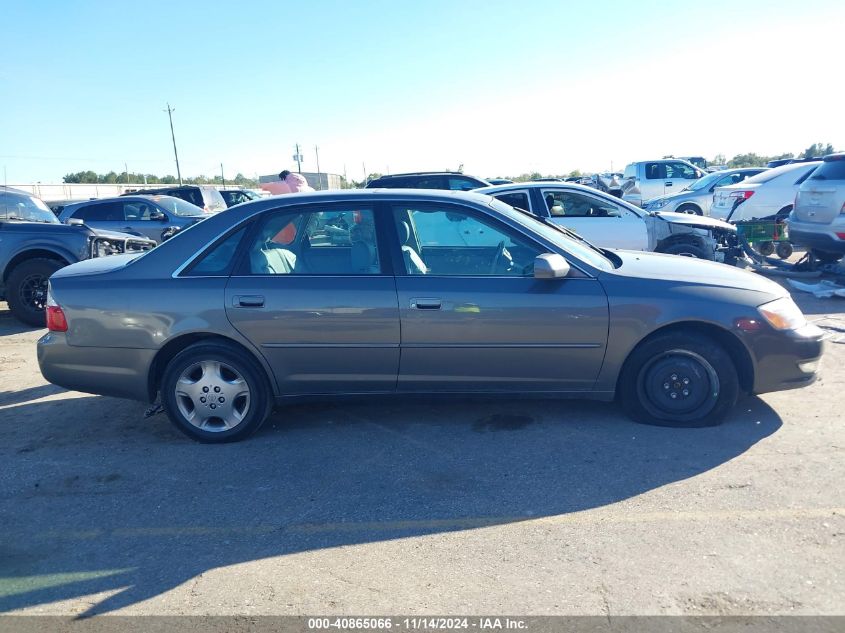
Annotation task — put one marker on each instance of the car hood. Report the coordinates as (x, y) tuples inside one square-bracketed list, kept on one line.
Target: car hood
[(676, 268), (96, 265), (691, 219), (116, 235)]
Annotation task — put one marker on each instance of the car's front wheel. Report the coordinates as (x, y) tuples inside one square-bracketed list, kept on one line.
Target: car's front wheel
[(215, 392), (678, 379)]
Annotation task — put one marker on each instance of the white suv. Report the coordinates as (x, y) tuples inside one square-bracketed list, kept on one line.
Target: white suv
[(817, 221)]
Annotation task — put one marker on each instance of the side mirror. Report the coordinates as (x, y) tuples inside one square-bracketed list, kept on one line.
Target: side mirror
[(75, 222), (550, 266), (157, 216)]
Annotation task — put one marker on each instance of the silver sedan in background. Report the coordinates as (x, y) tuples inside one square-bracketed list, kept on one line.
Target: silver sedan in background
[(697, 197)]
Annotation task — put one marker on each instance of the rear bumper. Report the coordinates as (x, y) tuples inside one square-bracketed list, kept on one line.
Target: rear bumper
[(787, 360), (105, 371), (819, 238)]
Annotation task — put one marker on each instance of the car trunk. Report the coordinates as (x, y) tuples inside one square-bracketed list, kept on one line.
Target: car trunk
[(817, 202)]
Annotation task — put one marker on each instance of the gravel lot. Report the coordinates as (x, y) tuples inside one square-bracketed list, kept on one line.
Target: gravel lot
[(460, 507)]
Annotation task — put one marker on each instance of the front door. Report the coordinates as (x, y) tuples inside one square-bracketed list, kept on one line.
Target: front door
[(599, 221), (475, 319), (316, 296)]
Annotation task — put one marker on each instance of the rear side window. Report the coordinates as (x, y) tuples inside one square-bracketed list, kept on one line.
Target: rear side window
[(220, 259), (655, 171), (104, 212), (830, 170), (517, 199), (462, 184)]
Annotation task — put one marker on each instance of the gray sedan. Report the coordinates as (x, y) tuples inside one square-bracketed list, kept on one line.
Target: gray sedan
[(155, 217), (697, 197), (378, 292)]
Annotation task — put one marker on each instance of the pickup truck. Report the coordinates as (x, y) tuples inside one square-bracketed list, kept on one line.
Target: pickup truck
[(34, 245), (649, 179)]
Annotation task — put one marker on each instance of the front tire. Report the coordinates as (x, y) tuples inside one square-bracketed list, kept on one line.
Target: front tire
[(690, 208), (687, 250), (215, 393), (26, 290), (677, 379)]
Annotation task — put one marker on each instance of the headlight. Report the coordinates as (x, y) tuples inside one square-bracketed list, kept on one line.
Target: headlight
[(656, 204), (782, 314)]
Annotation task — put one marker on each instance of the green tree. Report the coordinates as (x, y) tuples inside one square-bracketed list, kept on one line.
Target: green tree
[(748, 160), (817, 149)]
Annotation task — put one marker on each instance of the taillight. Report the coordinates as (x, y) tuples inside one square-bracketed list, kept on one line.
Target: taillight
[(742, 195), (56, 321), (842, 210)]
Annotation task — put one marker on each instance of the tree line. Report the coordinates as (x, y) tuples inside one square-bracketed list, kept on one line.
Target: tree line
[(123, 177)]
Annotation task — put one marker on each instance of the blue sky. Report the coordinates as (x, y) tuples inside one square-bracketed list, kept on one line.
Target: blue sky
[(501, 87)]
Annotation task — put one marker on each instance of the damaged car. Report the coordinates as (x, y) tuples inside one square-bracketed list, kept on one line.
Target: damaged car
[(613, 223), (34, 245)]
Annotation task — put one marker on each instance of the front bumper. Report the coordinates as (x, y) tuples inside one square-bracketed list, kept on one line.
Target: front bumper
[(787, 360), (105, 371)]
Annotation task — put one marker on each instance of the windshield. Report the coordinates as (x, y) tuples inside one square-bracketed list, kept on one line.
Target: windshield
[(703, 183), (19, 206), (583, 250), (177, 206)]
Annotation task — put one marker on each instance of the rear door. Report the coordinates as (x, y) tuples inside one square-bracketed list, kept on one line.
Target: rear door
[(474, 318), (108, 216), (600, 221), (314, 292)]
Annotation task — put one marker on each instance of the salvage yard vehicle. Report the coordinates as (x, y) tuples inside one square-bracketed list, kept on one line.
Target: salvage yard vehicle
[(451, 180), (697, 197), (237, 196), (356, 292), (645, 180), (817, 220), (768, 195), (34, 245), (155, 217), (613, 223), (206, 197)]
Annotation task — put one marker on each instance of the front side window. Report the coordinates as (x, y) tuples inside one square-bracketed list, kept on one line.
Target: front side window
[(139, 211), (568, 204), (177, 206), (337, 241), (103, 212), (453, 242), (680, 170), (430, 182)]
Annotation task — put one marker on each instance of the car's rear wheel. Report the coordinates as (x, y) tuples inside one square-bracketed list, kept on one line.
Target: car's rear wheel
[(825, 257), (26, 289), (690, 208), (677, 379), (215, 392)]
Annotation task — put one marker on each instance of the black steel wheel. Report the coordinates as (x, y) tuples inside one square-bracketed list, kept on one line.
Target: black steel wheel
[(26, 289), (679, 380)]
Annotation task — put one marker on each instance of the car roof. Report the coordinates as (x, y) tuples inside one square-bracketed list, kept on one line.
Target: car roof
[(535, 184), (426, 173)]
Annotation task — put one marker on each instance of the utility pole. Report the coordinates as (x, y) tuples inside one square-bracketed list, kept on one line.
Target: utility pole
[(319, 178), (298, 158), (222, 177), (126, 171), (365, 172), (170, 112)]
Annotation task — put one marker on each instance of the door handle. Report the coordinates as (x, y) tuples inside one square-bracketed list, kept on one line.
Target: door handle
[(425, 303), (668, 184), (248, 301)]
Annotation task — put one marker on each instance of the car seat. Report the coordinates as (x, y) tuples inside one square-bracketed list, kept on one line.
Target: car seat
[(414, 264)]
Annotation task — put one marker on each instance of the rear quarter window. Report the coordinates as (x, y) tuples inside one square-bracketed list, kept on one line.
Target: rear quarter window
[(830, 170)]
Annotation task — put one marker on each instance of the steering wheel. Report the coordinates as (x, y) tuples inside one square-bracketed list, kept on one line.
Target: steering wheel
[(501, 251)]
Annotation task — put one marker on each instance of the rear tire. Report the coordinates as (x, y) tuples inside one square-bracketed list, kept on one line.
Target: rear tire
[(825, 257), (26, 289), (784, 250), (678, 379), (215, 393), (765, 248)]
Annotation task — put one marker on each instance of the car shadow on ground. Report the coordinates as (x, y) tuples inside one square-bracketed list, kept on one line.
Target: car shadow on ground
[(97, 499)]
